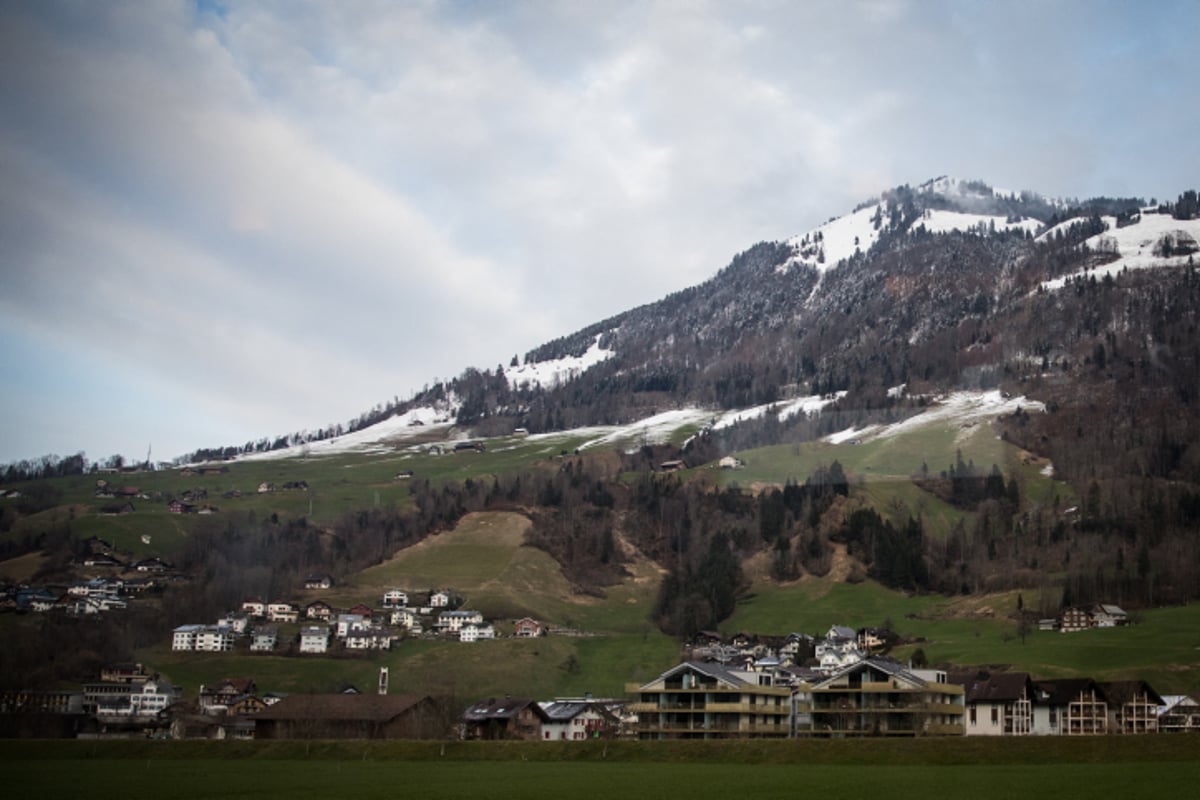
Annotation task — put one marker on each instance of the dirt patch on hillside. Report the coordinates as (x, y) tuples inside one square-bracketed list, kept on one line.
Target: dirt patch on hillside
[(841, 563)]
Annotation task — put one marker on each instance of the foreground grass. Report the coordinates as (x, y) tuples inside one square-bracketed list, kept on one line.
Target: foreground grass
[(841, 769)]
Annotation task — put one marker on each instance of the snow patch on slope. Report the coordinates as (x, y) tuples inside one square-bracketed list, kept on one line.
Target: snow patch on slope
[(834, 241), (941, 221), (812, 404), (1135, 245), (382, 437), (652, 430), (555, 372), (963, 409)]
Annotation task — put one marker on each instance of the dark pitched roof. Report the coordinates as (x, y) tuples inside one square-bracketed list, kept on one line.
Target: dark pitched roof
[(1122, 692), (348, 707), (993, 687), (1061, 691), (501, 708)]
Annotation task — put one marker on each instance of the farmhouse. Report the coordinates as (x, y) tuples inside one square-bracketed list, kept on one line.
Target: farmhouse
[(527, 628), (504, 718), (350, 716), (1072, 620)]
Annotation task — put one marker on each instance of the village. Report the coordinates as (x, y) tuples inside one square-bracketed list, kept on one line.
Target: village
[(838, 685)]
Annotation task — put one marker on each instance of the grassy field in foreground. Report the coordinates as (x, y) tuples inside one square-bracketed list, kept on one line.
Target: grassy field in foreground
[(1106, 766), (189, 780)]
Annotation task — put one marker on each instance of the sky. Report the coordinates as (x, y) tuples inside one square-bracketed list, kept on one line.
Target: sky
[(223, 221)]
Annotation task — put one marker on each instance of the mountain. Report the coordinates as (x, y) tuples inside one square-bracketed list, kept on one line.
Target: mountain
[(1073, 324)]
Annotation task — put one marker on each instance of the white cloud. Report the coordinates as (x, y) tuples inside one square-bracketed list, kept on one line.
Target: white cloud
[(351, 199)]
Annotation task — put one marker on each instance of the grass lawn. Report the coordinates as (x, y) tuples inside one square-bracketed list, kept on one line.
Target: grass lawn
[(1108, 766)]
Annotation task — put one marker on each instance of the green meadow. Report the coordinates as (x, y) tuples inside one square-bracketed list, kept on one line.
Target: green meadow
[(1061, 768), (485, 560)]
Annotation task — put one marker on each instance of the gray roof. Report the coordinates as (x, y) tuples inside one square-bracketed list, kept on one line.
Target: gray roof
[(885, 665)]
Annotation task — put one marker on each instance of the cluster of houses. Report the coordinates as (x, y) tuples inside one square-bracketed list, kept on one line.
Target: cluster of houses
[(867, 695), (323, 629), (753, 687), (118, 583)]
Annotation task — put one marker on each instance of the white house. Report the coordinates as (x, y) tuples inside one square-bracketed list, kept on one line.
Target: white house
[(395, 598), (838, 649), (404, 617), (439, 599), (184, 637), (264, 640), (280, 611), (455, 620), (214, 639), (314, 639), (254, 607), (476, 632), (238, 623), (349, 622), (576, 719), (152, 697), (1109, 616), (368, 638)]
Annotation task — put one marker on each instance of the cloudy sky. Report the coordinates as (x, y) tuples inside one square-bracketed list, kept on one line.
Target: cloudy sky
[(222, 220)]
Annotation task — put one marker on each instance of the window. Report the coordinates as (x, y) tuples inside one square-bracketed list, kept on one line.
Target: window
[(995, 715), (972, 715)]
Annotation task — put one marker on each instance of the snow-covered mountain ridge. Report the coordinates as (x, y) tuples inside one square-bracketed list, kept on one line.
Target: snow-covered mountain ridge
[(946, 287)]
